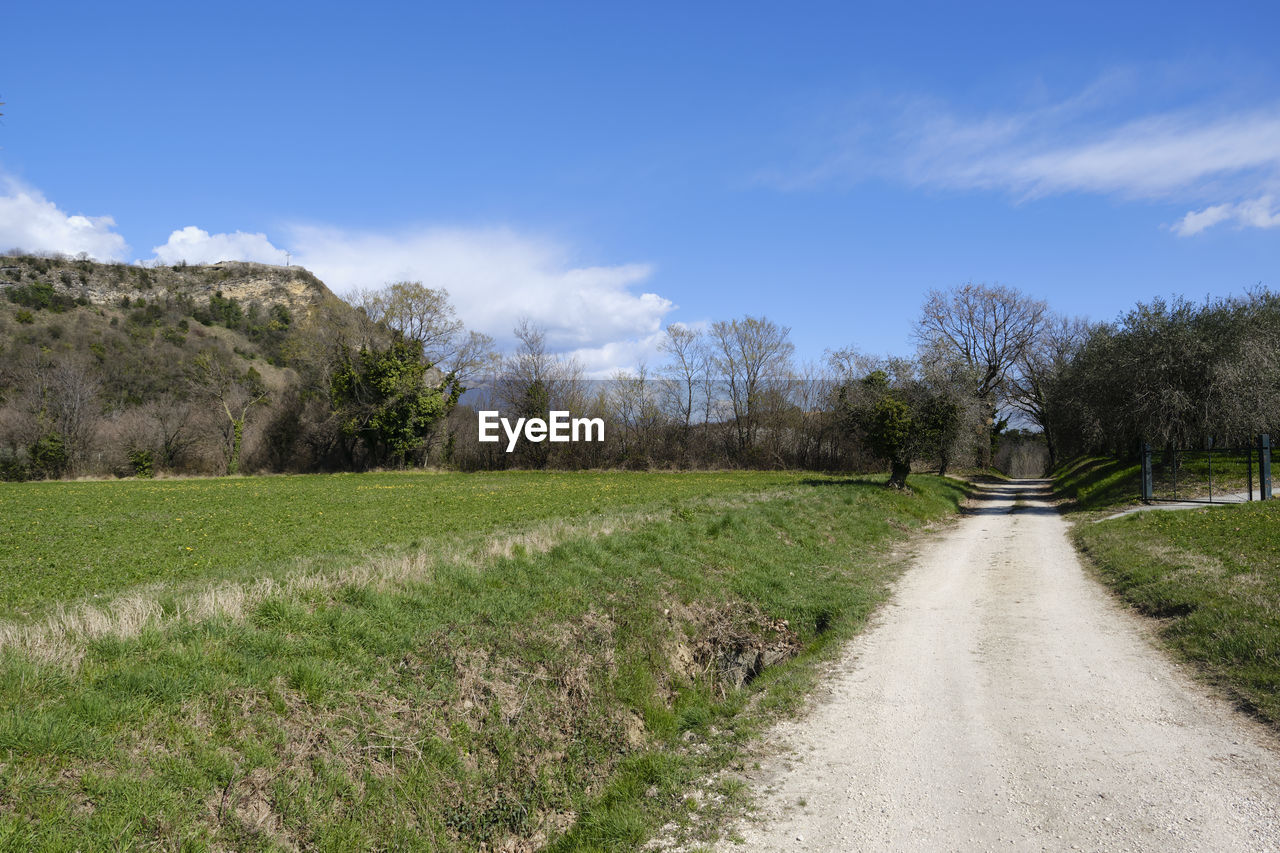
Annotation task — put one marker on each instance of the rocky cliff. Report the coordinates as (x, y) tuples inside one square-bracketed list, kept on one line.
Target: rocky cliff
[(108, 284)]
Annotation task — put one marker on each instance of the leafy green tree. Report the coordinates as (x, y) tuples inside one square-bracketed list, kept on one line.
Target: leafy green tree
[(902, 419), (893, 433), (48, 456), (387, 400), (941, 418)]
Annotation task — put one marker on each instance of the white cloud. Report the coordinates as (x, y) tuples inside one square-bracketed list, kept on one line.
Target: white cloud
[(1090, 143), (1196, 221), (1155, 157), (1256, 213), (197, 246), (30, 222), (603, 362), (495, 277)]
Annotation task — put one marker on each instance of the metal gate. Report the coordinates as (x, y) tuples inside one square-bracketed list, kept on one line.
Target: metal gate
[(1212, 475)]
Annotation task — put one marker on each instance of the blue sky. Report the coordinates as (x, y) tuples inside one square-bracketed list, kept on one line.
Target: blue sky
[(606, 169)]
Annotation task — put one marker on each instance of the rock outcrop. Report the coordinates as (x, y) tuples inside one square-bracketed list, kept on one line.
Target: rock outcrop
[(108, 284)]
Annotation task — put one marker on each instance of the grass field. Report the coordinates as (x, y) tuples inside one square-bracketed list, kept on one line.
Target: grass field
[(1213, 577), (442, 662), (65, 541)]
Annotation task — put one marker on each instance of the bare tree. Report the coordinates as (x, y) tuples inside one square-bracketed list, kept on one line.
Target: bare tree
[(215, 376), (60, 398), (425, 315), (988, 326), (169, 429), (533, 380), (685, 380), (72, 406), (1041, 364), (688, 353), (473, 357), (633, 402), (751, 356), (848, 364)]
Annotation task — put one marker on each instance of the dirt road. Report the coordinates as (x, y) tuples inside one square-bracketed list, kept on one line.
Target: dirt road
[(1002, 701)]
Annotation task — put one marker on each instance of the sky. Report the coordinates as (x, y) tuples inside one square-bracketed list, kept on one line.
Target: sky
[(606, 169)]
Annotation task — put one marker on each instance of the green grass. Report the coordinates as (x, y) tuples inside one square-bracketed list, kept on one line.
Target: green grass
[(1201, 475), (567, 693), (65, 541), (1095, 482), (1213, 577)]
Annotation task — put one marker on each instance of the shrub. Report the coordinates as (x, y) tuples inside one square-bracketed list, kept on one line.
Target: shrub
[(142, 462), (39, 296), (48, 455), (11, 468)]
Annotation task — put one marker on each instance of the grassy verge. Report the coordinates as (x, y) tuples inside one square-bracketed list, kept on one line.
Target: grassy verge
[(557, 687), (1095, 482), (1213, 577)]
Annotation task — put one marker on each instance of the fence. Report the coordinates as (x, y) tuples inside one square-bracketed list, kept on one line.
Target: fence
[(1212, 475)]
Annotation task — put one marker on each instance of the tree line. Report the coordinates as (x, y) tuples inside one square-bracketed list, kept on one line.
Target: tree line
[(1175, 373), (172, 385)]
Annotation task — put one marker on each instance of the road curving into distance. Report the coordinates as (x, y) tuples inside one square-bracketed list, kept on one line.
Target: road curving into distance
[(1003, 701)]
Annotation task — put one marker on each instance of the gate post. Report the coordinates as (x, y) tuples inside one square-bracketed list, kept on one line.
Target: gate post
[(1148, 493), (1264, 467), (1248, 456)]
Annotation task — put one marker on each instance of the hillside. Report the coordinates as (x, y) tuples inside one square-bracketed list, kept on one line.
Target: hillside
[(107, 284), (118, 369)]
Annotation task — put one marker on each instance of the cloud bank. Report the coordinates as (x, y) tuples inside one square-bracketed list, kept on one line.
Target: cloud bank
[(197, 246), (495, 277), (32, 223)]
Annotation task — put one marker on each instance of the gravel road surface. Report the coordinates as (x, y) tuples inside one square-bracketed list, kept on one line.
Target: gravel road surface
[(1003, 701)]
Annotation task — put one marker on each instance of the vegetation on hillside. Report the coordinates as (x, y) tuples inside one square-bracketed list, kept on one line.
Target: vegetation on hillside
[(111, 369), (124, 386), (133, 371)]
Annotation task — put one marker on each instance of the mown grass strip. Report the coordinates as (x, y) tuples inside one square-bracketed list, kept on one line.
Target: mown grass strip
[(1213, 577), (561, 697)]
